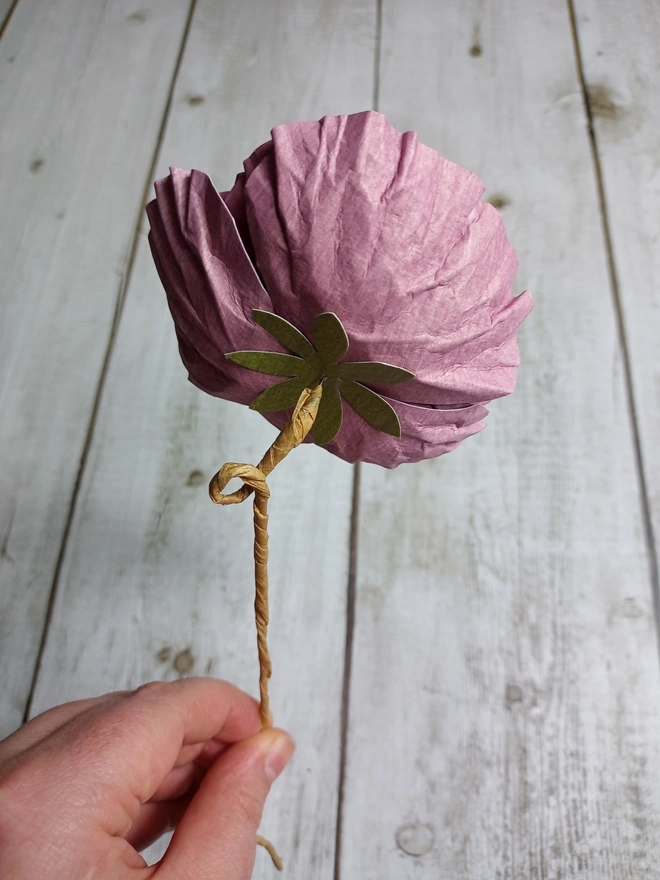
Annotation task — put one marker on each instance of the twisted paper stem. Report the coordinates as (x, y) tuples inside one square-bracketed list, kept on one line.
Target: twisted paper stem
[(272, 852), (254, 480)]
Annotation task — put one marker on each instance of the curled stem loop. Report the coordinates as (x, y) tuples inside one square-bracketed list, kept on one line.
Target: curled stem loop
[(254, 481)]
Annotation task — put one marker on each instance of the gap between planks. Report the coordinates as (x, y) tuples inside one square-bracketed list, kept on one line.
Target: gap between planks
[(351, 591), (612, 270), (8, 12), (121, 296), (377, 48), (351, 596)]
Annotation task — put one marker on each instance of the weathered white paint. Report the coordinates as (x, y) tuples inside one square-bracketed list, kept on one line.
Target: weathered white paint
[(154, 573), (83, 94), (619, 46), (505, 702)]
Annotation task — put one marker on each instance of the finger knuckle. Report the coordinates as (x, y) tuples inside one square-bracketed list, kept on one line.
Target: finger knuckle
[(152, 690)]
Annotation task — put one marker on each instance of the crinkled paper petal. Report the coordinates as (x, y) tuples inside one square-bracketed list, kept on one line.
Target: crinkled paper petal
[(210, 283)]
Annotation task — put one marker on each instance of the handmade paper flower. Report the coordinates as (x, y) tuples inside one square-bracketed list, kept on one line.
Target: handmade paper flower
[(348, 217)]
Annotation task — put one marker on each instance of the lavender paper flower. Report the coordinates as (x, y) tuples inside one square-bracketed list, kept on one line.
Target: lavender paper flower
[(347, 215)]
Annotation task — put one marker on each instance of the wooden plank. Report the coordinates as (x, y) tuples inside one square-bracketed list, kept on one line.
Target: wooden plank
[(157, 581), (505, 702), (619, 48), (5, 9), (84, 91)]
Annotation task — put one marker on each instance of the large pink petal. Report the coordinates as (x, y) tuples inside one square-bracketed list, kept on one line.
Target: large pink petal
[(210, 283), (348, 215)]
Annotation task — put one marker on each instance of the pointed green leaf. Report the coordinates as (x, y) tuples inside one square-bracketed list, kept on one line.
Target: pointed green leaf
[(374, 372), (329, 418), (371, 406), (281, 396), (269, 362), (330, 339), (285, 333)]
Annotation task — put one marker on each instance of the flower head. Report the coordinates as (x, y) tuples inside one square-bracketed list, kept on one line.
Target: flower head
[(345, 216)]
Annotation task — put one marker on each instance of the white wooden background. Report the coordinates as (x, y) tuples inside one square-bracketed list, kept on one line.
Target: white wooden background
[(465, 649)]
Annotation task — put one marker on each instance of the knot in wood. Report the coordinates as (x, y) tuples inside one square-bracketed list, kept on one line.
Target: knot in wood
[(253, 479)]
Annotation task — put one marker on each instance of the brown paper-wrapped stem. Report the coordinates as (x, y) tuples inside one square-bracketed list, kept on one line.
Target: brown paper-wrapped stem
[(254, 480), (272, 852)]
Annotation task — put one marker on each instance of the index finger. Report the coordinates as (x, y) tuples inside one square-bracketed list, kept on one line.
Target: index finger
[(119, 754)]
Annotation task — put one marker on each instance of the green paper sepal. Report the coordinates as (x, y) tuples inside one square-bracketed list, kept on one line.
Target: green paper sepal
[(374, 372), (284, 395), (270, 362), (330, 339), (371, 407), (330, 416), (285, 333)]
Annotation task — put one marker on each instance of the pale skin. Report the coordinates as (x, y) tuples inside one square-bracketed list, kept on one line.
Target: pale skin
[(86, 785)]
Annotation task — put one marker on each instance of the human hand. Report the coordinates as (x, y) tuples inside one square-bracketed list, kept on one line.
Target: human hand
[(86, 785)]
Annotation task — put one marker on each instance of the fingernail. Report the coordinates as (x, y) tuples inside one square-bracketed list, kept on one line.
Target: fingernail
[(279, 749)]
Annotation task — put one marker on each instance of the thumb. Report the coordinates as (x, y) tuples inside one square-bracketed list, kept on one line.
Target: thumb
[(217, 837)]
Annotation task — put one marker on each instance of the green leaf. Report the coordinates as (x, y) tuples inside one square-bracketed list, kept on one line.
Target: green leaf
[(329, 418), (285, 333), (281, 396), (269, 362), (371, 406), (374, 372), (329, 337)]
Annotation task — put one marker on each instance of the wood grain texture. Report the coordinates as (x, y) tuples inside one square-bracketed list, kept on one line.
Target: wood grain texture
[(505, 702), (84, 90), (156, 581), (619, 48)]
